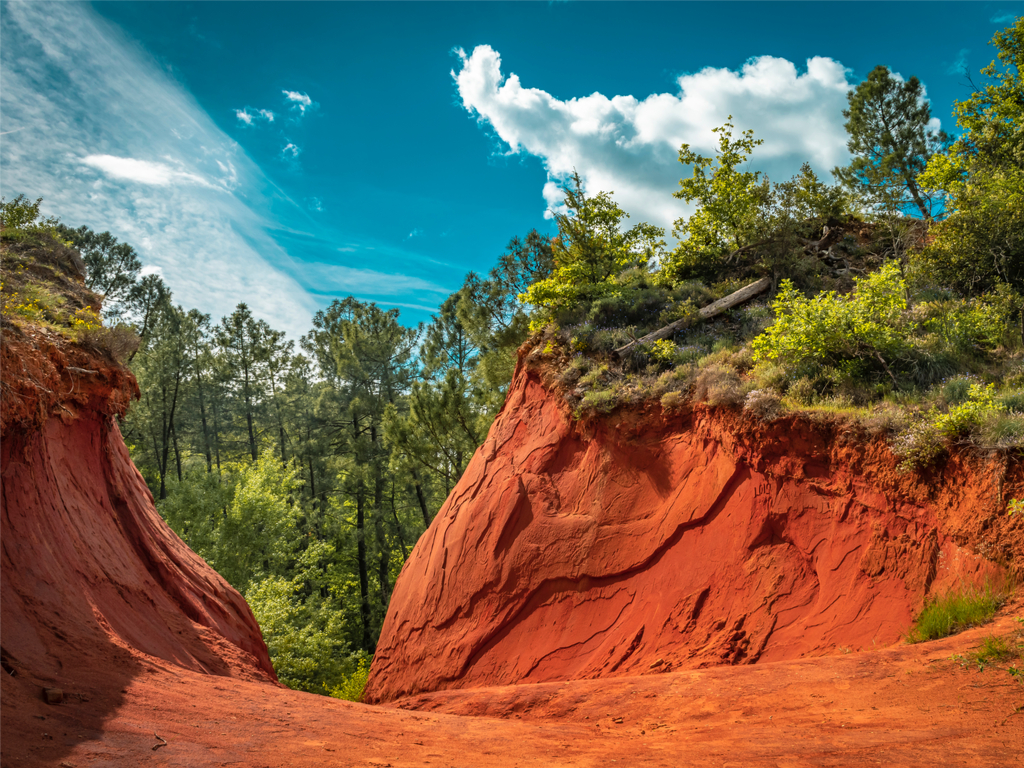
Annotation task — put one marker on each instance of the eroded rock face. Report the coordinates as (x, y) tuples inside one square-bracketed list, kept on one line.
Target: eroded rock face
[(645, 542), (94, 582)]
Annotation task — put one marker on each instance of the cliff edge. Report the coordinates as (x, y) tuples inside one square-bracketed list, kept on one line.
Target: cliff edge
[(96, 587), (650, 541)]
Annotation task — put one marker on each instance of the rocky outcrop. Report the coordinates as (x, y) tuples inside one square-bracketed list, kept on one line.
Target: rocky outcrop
[(94, 582), (647, 541)]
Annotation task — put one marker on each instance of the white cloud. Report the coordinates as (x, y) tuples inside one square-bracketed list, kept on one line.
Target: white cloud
[(371, 283), (290, 150), (416, 232), (143, 171), (629, 146), (149, 269), (300, 102), (315, 204), (109, 140), (1004, 18), (248, 117)]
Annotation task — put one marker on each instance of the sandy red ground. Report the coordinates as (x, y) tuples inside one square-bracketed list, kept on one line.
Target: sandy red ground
[(905, 705)]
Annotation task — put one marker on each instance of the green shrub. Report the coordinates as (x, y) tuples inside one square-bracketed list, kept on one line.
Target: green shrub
[(918, 445), (596, 376), (1012, 400), (802, 391), (771, 376), (954, 612), (1002, 430), (956, 390), (599, 400), (352, 686), (970, 413), (869, 325), (964, 327), (670, 401)]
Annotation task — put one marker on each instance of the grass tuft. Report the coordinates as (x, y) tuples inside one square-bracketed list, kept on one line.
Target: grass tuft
[(954, 612)]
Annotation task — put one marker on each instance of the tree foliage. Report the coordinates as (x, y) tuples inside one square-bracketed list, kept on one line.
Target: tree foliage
[(730, 204), (891, 143), (591, 248), (981, 243)]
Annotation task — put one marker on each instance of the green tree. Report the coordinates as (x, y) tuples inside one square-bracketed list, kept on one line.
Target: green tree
[(730, 207), (366, 355), (980, 245), (441, 423), (112, 268), (246, 346), (891, 143), (493, 317), (162, 369), (591, 248)]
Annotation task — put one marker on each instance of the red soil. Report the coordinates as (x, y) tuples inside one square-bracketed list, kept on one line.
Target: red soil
[(903, 706), (102, 600), (647, 542)]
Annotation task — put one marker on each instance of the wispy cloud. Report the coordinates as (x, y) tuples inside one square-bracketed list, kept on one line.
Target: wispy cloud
[(368, 282), (315, 204), (630, 146), (250, 116), (161, 180), (1004, 18), (959, 66), (299, 102), (416, 232), (290, 150), (143, 171)]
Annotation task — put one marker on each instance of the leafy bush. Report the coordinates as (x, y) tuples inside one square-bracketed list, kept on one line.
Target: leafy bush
[(828, 329), (599, 401), (954, 612), (352, 686), (673, 400), (20, 218), (918, 445), (970, 413)]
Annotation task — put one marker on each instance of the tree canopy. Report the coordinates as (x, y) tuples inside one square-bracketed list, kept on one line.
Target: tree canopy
[(891, 143)]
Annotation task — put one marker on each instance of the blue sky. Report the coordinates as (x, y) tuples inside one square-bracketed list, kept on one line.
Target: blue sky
[(285, 154)]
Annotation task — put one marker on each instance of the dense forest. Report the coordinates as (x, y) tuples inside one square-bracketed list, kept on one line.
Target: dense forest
[(304, 471)]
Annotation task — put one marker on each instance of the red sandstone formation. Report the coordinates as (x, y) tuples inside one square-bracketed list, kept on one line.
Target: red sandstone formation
[(628, 546), (642, 543), (95, 585)]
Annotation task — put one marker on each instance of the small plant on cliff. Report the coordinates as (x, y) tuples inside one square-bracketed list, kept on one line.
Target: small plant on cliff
[(954, 612)]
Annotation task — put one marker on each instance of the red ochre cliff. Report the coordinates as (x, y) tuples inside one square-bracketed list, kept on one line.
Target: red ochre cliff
[(648, 541), (627, 546), (96, 587)]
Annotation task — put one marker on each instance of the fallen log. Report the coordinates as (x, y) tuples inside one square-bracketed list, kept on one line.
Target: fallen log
[(730, 301)]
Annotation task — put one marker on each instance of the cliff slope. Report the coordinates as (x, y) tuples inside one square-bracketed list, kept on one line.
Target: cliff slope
[(646, 542), (95, 586)]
